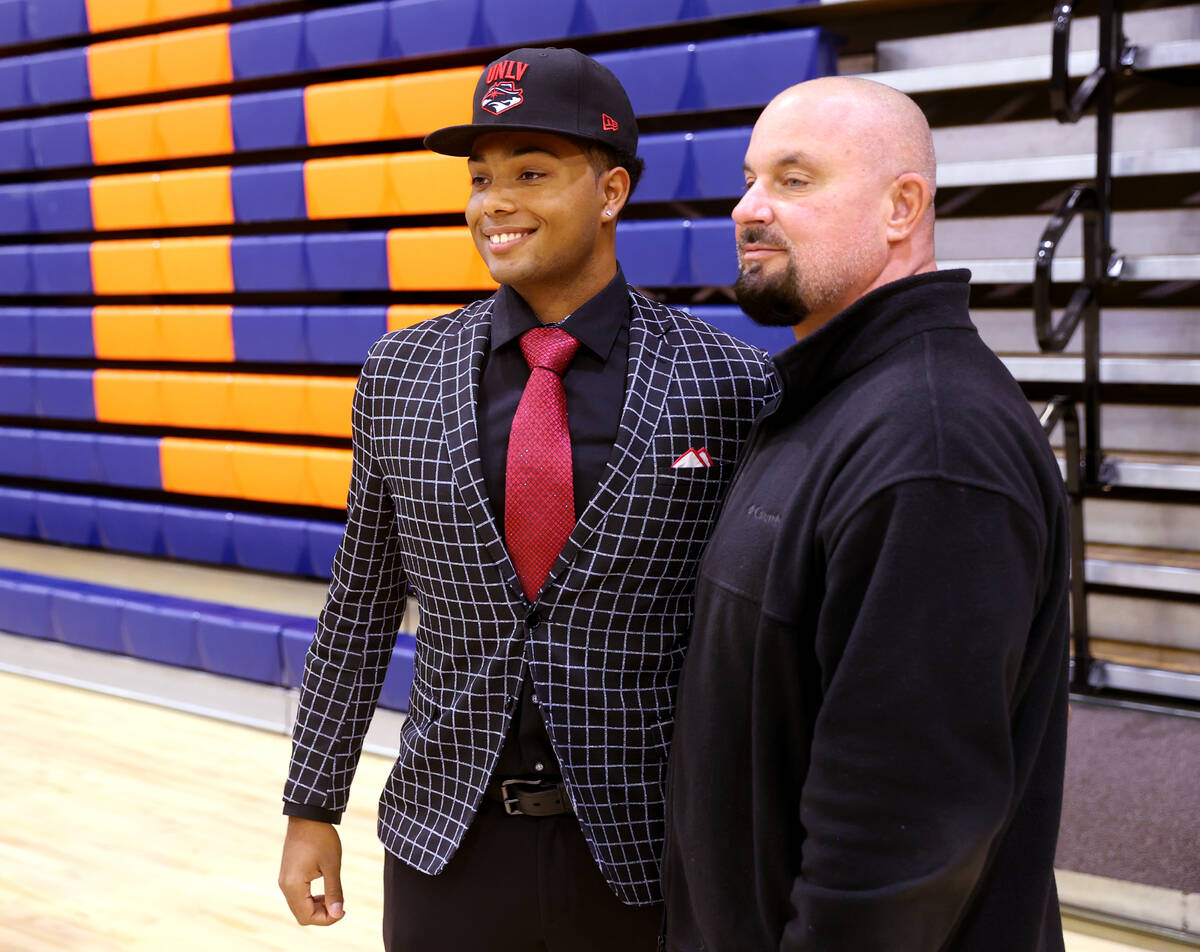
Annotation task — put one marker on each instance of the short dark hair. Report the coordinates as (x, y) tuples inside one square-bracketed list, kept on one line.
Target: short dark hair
[(603, 158)]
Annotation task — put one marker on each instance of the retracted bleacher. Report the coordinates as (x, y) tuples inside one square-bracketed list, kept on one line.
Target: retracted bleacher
[(209, 211)]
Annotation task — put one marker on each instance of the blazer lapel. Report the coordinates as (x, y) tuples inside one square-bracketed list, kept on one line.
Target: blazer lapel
[(461, 367), (647, 380)]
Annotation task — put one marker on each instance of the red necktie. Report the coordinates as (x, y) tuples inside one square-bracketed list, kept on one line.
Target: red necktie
[(539, 496)]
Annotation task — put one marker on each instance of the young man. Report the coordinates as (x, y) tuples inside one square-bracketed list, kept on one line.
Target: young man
[(871, 727), (549, 522)]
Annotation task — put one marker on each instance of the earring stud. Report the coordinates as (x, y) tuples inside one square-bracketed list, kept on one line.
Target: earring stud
[(608, 212)]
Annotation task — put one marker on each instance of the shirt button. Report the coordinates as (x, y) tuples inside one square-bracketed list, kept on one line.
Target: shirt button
[(539, 766)]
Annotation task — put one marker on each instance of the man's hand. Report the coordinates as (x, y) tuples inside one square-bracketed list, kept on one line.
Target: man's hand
[(312, 850)]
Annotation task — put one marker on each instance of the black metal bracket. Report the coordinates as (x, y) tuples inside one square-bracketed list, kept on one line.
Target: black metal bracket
[(1062, 409), (1054, 338), (1117, 56), (1091, 200)]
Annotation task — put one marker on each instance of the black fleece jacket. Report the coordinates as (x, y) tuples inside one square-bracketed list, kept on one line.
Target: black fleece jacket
[(871, 725)]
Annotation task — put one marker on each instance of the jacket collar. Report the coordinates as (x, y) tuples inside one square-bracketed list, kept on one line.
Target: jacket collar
[(867, 329)]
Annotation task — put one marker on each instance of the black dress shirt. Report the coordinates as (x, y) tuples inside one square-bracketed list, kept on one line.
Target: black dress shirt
[(594, 384)]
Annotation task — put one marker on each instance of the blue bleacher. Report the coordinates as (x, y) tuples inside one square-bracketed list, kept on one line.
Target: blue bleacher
[(421, 27), (269, 47), (63, 394), (347, 35), (657, 79), (69, 457), (17, 518), (325, 335), (715, 74), (743, 71), (679, 166), (712, 259), (128, 461), (15, 150), (750, 70), (267, 647), (63, 332), (58, 142), (14, 83), (16, 391), (654, 253), (12, 23), (198, 535), (61, 206), (59, 77), (270, 263), (342, 335), (61, 268), (80, 457), (242, 539), (64, 518), (16, 277), (267, 120), (87, 619), (347, 261), (734, 321), (46, 19), (717, 156), (269, 334), (610, 16), (135, 527), (16, 331), (16, 210), (26, 21), (269, 192), (525, 22)]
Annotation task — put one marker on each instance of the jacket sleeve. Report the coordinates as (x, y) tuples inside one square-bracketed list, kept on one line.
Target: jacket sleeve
[(931, 588), (356, 632)]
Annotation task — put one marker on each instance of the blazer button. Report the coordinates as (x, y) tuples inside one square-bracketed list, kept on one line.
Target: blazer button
[(532, 620)]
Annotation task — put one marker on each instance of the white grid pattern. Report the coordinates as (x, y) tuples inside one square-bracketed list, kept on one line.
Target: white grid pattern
[(614, 611)]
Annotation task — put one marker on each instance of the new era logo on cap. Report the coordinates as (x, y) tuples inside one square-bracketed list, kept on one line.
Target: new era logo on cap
[(609, 123)]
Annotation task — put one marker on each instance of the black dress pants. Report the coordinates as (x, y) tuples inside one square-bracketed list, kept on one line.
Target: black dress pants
[(516, 884)]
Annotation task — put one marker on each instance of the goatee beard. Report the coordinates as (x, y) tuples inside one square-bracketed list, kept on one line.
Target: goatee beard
[(771, 302)]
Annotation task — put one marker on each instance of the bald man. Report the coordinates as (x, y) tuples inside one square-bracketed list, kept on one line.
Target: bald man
[(871, 724)]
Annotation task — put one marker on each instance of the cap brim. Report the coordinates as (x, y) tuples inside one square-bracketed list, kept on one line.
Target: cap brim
[(458, 140)]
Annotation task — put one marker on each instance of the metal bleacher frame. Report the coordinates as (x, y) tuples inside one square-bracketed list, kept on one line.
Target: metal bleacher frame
[(1086, 469)]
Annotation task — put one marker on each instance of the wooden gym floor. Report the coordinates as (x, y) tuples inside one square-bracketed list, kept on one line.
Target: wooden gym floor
[(131, 828)]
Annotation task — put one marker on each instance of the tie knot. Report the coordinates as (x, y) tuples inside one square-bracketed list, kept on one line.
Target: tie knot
[(549, 347)]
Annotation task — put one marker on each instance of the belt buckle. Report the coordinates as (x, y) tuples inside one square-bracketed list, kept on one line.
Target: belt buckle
[(512, 802)]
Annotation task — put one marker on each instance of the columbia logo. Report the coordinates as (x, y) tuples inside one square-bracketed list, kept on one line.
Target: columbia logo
[(759, 513)]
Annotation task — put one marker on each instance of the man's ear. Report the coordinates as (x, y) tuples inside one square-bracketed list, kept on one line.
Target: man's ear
[(614, 185), (909, 199)]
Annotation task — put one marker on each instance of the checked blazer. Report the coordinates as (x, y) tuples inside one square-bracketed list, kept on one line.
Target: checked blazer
[(605, 637)]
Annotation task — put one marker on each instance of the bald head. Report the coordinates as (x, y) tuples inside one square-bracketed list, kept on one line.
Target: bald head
[(885, 128), (840, 176)]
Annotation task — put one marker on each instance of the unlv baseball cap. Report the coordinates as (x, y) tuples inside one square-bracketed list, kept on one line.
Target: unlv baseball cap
[(545, 90)]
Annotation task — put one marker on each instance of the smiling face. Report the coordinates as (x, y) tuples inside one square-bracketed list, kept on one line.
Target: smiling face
[(828, 202), (538, 214)]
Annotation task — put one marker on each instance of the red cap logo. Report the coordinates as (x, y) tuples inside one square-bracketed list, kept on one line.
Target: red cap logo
[(610, 124)]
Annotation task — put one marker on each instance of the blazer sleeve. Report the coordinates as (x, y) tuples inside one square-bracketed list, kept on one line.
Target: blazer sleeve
[(356, 632)]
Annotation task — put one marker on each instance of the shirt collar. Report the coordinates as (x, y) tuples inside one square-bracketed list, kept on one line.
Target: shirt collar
[(595, 324)]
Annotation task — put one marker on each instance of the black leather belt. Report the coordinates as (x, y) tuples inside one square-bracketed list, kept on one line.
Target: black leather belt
[(530, 797)]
